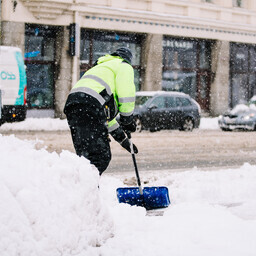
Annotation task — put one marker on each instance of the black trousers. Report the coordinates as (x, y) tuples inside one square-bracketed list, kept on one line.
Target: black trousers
[(89, 133)]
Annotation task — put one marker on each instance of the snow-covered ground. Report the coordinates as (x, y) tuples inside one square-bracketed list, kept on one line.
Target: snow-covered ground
[(50, 205), (46, 124)]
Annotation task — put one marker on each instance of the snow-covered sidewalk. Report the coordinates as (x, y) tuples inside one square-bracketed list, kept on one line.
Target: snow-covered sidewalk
[(50, 205)]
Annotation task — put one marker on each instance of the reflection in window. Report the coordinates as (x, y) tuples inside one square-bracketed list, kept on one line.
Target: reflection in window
[(239, 58), (180, 81), (40, 81)]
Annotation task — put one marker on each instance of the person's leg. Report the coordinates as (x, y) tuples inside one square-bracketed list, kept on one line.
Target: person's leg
[(90, 136), (95, 143)]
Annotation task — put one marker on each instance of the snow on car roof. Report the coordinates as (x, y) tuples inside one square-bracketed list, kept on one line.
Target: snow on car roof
[(152, 93), (253, 98)]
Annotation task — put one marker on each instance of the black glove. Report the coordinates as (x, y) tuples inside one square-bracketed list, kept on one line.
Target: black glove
[(127, 145), (131, 127), (119, 135), (128, 123)]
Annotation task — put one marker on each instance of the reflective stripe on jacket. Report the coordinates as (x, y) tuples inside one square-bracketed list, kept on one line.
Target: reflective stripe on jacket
[(112, 78)]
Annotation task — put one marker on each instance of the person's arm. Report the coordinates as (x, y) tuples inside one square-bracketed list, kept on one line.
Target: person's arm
[(120, 136), (125, 90)]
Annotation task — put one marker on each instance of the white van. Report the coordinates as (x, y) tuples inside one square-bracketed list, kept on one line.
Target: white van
[(13, 85)]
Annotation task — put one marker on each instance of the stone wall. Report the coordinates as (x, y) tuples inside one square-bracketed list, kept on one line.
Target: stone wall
[(219, 97), (152, 63), (13, 34), (63, 77)]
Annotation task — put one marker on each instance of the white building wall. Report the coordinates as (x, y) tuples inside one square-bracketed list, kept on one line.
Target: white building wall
[(219, 21)]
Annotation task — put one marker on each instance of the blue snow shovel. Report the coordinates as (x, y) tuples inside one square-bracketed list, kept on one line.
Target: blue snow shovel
[(148, 197)]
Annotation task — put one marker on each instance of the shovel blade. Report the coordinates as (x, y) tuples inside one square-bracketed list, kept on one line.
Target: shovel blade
[(152, 198)]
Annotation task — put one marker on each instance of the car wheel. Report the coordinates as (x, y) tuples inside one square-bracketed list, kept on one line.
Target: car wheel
[(187, 125), (154, 129), (138, 124)]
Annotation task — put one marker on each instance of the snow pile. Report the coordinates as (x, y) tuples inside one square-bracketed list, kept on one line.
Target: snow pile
[(49, 203), (212, 213), (207, 123)]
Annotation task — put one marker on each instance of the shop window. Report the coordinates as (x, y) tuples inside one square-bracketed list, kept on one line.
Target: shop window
[(252, 59), (205, 55), (187, 68), (40, 79), (39, 59), (252, 85), (239, 58), (95, 44), (242, 73), (179, 54)]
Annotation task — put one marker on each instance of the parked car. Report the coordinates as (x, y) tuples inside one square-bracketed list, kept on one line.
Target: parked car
[(240, 117), (156, 110)]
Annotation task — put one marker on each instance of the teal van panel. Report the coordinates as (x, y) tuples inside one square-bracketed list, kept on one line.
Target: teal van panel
[(23, 79)]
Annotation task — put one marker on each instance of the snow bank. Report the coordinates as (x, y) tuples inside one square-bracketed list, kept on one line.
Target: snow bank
[(207, 123), (49, 203)]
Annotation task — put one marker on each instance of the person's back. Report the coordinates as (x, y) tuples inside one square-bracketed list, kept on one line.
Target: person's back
[(93, 103)]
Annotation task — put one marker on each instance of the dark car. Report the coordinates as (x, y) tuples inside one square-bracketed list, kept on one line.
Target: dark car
[(158, 110), (241, 117)]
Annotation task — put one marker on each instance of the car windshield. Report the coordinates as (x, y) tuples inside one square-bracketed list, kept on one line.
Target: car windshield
[(141, 100)]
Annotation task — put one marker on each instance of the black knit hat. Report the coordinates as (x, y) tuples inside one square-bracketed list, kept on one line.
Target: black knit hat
[(124, 53)]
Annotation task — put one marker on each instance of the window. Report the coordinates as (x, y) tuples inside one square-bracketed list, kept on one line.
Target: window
[(159, 102), (242, 73), (207, 1), (95, 44), (237, 3), (184, 61), (40, 63), (170, 102), (183, 102)]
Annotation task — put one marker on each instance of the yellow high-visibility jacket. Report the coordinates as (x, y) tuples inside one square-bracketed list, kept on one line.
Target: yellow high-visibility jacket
[(111, 82)]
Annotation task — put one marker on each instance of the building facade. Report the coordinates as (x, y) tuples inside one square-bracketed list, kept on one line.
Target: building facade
[(205, 48)]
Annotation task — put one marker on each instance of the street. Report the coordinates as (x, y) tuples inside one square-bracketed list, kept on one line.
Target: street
[(165, 150)]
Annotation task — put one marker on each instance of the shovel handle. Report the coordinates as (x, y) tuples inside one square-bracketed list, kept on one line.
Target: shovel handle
[(135, 163)]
